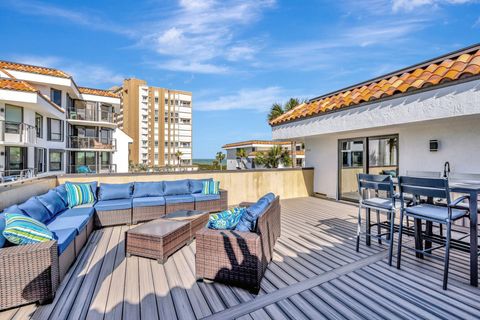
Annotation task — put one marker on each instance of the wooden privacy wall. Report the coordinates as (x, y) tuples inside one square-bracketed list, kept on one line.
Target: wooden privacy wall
[(244, 185), (19, 192)]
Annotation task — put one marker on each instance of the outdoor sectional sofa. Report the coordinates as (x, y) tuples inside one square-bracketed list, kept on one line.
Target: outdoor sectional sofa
[(32, 273)]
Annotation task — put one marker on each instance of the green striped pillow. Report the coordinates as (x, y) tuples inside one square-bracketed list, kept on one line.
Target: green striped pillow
[(20, 229), (210, 187), (79, 193)]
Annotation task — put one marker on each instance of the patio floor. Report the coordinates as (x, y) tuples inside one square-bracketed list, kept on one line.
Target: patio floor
[(316, 274)]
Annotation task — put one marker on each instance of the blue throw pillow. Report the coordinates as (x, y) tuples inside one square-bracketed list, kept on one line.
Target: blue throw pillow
[(93, 186), (79, 193), (35, 209), (113, 191), (62, 192), (210, 187), (148, 189), (196, 186), (2, 227), (53, 202), (225, 220), (249, 219), (20, 229), (176, 187), (13, 209), (269, 196)]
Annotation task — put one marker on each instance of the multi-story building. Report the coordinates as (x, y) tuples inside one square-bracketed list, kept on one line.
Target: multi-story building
[(159, 121), (50, 125), (241, 155)]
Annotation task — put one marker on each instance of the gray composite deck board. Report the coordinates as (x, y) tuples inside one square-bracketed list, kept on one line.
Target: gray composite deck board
[(315, 274)]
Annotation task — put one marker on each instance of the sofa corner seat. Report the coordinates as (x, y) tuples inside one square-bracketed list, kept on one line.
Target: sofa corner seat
[(179, 202), (147, 208), (113, 212)]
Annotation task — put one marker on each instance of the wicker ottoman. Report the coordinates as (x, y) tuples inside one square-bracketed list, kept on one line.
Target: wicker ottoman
[(157, 239), (197, 219)]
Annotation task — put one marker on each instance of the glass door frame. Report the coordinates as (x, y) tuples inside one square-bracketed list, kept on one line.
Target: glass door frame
[(366, 158)]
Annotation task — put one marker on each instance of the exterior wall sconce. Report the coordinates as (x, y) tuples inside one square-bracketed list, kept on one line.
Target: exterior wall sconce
[(434, 145)]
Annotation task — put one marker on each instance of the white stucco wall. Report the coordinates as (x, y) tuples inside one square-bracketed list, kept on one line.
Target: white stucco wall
[(120, 157)]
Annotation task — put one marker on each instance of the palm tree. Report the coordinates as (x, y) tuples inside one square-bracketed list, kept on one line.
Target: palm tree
[(277, 109), (290, 104), (215, 164), (241, 155), (273, 157), (220, 157), (178, 155)]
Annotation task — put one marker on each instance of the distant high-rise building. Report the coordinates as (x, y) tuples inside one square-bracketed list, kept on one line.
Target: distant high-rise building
[(159, 121)]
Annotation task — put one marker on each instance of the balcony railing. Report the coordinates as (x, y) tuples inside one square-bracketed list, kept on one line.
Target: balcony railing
[(91, 115), (17, 132), (15, 175), (92, 143), (93, 168)]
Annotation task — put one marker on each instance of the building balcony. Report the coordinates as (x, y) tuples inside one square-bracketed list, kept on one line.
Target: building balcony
[(82, 116), (91, 143), (17, 133), (93, 168)]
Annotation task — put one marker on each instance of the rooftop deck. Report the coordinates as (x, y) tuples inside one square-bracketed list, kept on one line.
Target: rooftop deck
[(316, 273)]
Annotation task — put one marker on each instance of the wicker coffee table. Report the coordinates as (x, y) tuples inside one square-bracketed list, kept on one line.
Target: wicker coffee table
[(197, 219), (157, 239)]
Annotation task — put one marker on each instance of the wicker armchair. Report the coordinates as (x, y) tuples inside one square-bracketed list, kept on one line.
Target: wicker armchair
[(29, 274), (238, 258)]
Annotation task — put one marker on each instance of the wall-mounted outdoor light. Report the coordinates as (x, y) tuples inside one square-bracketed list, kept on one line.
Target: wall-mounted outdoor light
[(434, 145)]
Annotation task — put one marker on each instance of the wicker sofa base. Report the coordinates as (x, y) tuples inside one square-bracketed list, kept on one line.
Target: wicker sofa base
[(179, 206), (212, 205), (140, 214), (66, 259), (113, 217)]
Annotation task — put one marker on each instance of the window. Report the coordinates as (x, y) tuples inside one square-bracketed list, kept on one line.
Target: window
[(15, 160), (55, 160), (56, 96), (156, 99), (55, 129), (40, 160), (39, 125), (13, 118)]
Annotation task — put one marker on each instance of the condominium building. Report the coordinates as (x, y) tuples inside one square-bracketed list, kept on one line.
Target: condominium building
[(48, 124), (159, 121)]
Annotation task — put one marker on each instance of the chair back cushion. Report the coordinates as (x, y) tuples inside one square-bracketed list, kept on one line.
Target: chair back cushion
[(249, 219), (62, 192), (20, 229), (226, 220), (36, 210), (115, 191), (148, 189), (13, 209), (196, 185), (79, 193), (211, 187), (269, 197), (2, 227), (53, 202), (176, 187)]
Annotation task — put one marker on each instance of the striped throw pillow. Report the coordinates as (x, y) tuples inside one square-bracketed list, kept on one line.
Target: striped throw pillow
[(20, 229), (79, 193), (210, 187)]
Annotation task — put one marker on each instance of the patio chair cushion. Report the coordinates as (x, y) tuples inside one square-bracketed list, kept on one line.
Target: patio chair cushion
[(426, 210), (211, 187), (20, 229), (205, 197), (69, 222), (2, 227), (269, 197), (196, 185), (62, 192), (148, 202), (13, 209), (35, 209), (180, 198), (226, 220), (78, 211), (93, 186), (79, 193), (176, 187), (249, 219), (64, 238), (379, 202), (53, 202), (117, 204), (148, 189), (85, 205), (113, 191)]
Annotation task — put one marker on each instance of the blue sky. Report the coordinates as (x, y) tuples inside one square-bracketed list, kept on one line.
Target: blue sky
[(237, 57)]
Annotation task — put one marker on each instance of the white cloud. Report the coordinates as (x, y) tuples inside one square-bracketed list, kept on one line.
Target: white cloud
[(409, 5)]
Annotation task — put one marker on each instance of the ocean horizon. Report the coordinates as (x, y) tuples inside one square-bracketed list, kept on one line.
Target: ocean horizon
[(206, 161)]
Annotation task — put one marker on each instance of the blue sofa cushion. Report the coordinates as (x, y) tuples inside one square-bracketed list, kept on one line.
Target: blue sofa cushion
[(269, 197), (2, 227), (176, 187), (93, 186), (35, 209), (148, 202), (113, 191), (205, 197), (148, 189), (53, 202), (78, 211), (117, 204), (62, 192), (179, 198), (13, 209), (196, 185), (64, 237), (69, 222), (249, 219)]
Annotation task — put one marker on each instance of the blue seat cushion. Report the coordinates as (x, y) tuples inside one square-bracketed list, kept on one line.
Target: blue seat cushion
[(85, 205), (77, 211), (62, 192), (148, 189), (64, 237), (269, 197), (176, 187), (35, 209), (180, 198), (69, 222), (249, 219), (2, 227), (426, 211), (205, 197), (13, 209), (379, 202), (148, 202), (53, 202), (113, 191), (196, 185), (117, 204), (93, 186)]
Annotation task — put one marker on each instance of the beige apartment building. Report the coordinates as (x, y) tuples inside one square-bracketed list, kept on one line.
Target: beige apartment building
[(159, 121)]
